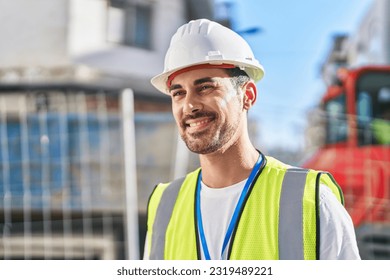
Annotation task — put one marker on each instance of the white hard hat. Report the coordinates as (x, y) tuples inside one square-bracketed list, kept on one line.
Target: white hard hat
[(206, 42)]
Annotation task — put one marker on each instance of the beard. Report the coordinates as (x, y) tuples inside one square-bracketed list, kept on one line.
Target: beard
[(211, 139)]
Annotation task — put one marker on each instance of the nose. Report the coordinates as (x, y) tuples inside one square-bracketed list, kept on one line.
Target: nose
[(191, 105)]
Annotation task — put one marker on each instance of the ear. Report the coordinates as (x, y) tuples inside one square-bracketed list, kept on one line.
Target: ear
[(250, 95)]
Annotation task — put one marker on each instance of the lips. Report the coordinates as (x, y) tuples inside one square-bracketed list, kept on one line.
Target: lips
[(198, 121)]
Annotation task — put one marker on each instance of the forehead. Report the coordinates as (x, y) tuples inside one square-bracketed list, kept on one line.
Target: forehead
[(196, 74)]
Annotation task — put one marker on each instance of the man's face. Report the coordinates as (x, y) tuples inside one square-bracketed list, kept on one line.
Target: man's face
[(207, 108)]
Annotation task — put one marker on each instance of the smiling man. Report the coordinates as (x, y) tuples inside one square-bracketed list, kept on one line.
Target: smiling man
[(240, 204)]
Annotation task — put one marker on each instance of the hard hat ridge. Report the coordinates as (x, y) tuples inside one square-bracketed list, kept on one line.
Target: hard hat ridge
[(193, 27)]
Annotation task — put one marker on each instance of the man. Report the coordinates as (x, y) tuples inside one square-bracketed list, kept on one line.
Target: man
[(240, 204)]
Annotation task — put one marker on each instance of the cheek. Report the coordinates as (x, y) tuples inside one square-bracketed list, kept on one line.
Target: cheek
[(176, 112), (175, 108)]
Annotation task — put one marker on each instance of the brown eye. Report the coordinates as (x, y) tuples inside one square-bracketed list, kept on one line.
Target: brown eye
[(205, 88), (178, 93)]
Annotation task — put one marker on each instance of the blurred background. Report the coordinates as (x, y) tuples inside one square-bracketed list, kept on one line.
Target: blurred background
[(84, 137)]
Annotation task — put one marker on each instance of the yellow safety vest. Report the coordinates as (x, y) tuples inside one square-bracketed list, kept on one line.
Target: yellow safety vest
[(279, 220)]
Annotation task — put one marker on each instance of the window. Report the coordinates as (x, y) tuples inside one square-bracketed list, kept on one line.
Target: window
[(337, 127), (130, 23), (364, 117), (373, 109)]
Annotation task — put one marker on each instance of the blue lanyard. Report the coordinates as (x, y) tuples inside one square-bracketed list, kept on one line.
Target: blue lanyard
[(236, 212)]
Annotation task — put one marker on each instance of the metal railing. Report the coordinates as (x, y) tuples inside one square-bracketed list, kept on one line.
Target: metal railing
[(66, 189)]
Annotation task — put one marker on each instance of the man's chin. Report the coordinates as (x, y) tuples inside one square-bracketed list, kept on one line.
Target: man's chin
[(201, 148)]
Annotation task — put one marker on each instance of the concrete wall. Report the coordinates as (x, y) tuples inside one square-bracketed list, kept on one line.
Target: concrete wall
[(68, 33), (33, 33)]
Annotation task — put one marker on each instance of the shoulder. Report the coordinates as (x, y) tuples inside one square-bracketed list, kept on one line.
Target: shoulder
[(273, 163), (188, 176), (333, 215), (337, 234), (328, 200), (173, 186)]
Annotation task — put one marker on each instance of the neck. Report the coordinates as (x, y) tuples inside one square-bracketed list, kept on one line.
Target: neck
[(228, 167)]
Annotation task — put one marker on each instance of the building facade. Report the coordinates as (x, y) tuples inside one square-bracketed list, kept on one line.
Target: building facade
[(74, 141)]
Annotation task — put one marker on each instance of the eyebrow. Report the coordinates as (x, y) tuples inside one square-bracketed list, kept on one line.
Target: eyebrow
[(203, 80), (196, 82), (175, 86)]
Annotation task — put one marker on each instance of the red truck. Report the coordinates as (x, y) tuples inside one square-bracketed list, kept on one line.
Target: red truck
[(356, 151)]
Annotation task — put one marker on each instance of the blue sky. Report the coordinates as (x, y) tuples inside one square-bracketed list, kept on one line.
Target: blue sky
[(295, 38)]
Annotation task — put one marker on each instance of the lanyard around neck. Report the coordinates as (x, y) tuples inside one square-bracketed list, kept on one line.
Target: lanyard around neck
[(235, 215)]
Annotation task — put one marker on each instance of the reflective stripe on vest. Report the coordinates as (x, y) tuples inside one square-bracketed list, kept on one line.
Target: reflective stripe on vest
[(295, 213), (176, 233), (163, 215), (290, 209)]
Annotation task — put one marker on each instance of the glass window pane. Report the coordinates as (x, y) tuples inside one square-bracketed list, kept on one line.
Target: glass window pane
[(129, 23), (373, 108), (337, 128)]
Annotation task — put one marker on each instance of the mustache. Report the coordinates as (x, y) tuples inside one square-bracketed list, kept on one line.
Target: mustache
[(198, 114)]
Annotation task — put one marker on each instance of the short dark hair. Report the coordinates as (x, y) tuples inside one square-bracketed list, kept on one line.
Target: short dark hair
[(240, 77)]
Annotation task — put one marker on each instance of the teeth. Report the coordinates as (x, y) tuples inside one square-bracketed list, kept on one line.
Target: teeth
[(198, 123)]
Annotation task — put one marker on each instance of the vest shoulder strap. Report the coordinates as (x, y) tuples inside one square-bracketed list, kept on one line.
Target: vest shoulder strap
[(327, 179), (161, 220)]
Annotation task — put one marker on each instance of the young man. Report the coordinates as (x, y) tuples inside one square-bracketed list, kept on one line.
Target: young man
[(239, 204)]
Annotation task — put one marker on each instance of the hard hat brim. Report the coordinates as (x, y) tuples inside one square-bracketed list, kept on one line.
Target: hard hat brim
[(256, 73)]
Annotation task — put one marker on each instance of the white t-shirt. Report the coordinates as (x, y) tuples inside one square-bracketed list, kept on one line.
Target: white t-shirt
[(338, 241)]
